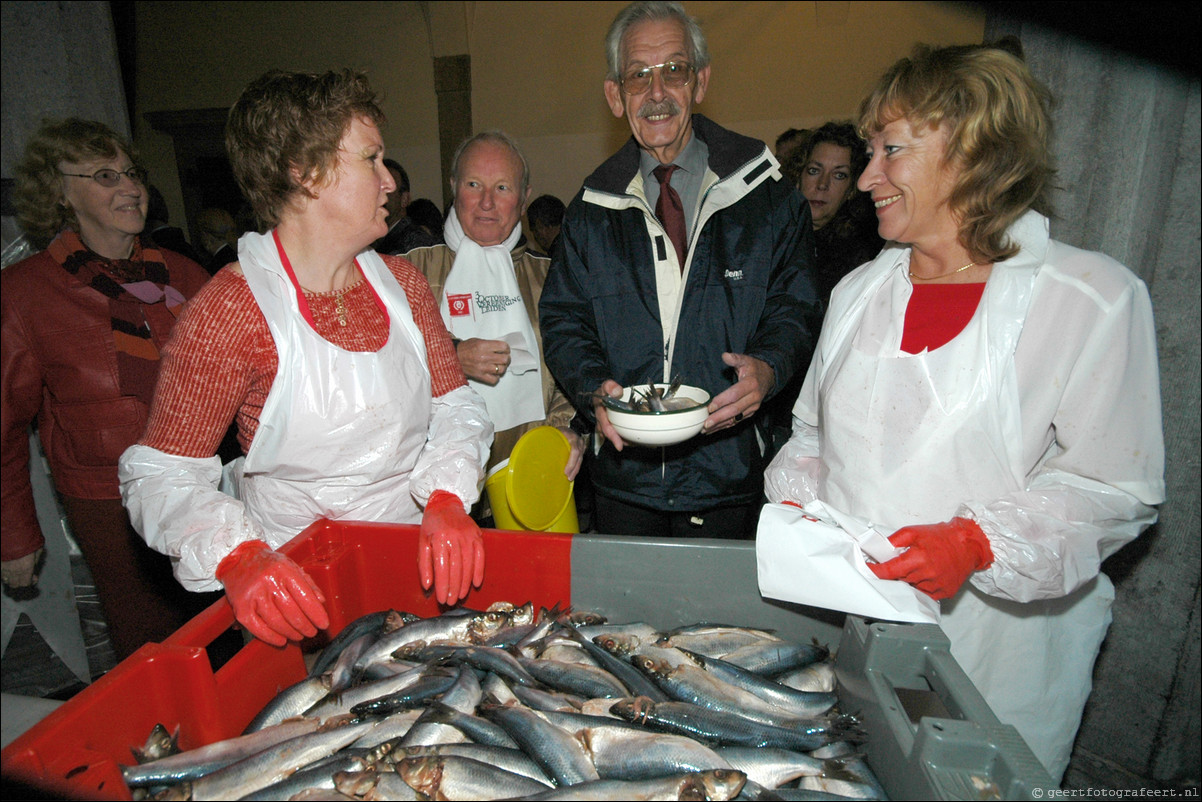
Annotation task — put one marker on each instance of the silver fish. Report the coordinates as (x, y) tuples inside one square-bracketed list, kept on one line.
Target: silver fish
[(195, 763), (342, 673), (464, 696), (376, 623), (452, 778), (458, 627), (510, 759), (560, 755), (773, 767), (479, 730), (818, 677), (690, 683), (337, 704), (275, 763), (731, 729), (622, 753), (776, 657), (316, 776), (373, 785), (715, 640), (806, 704), (576, 678), (719, 784), (291, 702), (159, 744)]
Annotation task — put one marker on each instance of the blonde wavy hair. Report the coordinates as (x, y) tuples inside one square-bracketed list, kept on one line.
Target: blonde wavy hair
[(998, 122), (38, 192)]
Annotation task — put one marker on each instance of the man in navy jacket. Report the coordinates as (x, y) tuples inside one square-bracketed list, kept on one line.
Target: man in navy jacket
[(726, 309)]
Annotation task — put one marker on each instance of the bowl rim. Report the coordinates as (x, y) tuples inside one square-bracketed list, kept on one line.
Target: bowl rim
[(626, 393)]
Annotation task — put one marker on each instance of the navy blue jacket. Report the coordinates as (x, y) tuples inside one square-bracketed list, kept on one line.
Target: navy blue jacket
[(612, 309)]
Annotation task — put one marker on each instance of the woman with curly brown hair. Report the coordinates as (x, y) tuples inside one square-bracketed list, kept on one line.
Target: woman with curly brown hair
[(83, 325), (989, 395), (333, 360), (826, 169)]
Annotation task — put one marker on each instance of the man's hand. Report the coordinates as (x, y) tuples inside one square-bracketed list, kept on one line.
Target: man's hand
[(612, 389), (21, 572), (741, 400), (484, 360), (576, 455)]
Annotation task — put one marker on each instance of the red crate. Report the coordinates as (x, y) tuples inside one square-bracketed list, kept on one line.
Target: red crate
[(78, 749)]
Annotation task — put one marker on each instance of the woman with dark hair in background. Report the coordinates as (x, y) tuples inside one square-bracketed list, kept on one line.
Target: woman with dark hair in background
[(83, 324), (826, 169), (333, 360)]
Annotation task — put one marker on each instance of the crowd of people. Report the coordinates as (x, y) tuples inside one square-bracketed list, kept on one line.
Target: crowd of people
[(877, 311)]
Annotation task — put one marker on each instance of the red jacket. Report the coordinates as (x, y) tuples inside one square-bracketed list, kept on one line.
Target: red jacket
[(59, 365)]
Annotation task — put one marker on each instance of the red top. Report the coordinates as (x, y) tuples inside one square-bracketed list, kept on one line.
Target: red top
[(221, 360), (937, 313)]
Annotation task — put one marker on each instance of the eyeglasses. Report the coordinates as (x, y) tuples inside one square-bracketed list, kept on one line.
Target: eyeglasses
[(673, 73), (111, 178)]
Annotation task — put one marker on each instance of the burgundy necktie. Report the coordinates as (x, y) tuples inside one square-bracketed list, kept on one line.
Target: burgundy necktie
[(670, 210)]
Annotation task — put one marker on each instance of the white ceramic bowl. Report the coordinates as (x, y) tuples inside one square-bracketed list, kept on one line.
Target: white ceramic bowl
[(661, 428)]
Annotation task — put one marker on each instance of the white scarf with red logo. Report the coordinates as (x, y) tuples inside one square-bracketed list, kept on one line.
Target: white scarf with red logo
[(481, 298)]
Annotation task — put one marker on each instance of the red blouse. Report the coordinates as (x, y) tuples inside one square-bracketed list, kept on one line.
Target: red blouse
[(221, 360), (937, 313)]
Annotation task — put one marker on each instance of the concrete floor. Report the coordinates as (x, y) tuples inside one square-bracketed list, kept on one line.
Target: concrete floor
[(33, 679)]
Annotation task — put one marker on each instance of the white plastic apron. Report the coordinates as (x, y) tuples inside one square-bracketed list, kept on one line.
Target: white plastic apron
[(905, 438), (340, 431)]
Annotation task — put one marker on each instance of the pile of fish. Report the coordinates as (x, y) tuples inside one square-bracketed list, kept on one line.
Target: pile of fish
[(511, 703)]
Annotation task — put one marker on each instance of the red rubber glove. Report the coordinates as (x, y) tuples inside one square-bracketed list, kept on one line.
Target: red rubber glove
[(450, 549), (272, 596), (939, 558)]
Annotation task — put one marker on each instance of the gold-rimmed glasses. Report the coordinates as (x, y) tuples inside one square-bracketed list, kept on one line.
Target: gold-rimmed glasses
[(672, 73)]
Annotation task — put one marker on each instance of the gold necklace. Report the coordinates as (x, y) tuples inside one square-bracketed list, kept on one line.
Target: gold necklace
[(944, 275), (340, 307)]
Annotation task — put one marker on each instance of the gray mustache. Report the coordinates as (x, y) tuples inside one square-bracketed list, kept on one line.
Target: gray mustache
[(665, 106)]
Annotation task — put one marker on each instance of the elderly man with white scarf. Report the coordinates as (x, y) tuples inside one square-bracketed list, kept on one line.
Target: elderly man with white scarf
[(487, 285)]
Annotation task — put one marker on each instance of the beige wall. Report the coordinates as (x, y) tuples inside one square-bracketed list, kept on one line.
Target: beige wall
[(537, 68)]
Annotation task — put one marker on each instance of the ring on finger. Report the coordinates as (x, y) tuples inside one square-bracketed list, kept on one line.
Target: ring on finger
[(738, 417)]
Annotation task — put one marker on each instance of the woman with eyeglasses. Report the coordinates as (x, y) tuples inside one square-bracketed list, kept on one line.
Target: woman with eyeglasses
[(83, 323)]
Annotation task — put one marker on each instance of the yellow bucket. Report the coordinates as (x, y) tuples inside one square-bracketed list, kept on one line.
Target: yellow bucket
[(528, 492)]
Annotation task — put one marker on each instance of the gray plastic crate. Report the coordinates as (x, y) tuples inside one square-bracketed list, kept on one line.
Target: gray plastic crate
[(930, 733)]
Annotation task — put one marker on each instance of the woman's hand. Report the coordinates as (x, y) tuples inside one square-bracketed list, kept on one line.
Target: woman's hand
[(271, 595), (21, 572), (483, 360), (939, 558), (450, 549)]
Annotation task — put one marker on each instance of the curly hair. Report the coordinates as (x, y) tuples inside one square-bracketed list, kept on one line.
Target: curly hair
[(998, 122), (841, 134), (38, 193), (286, 127)]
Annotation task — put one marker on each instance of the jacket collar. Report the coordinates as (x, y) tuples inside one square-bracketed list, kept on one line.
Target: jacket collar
[(728, 153)]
